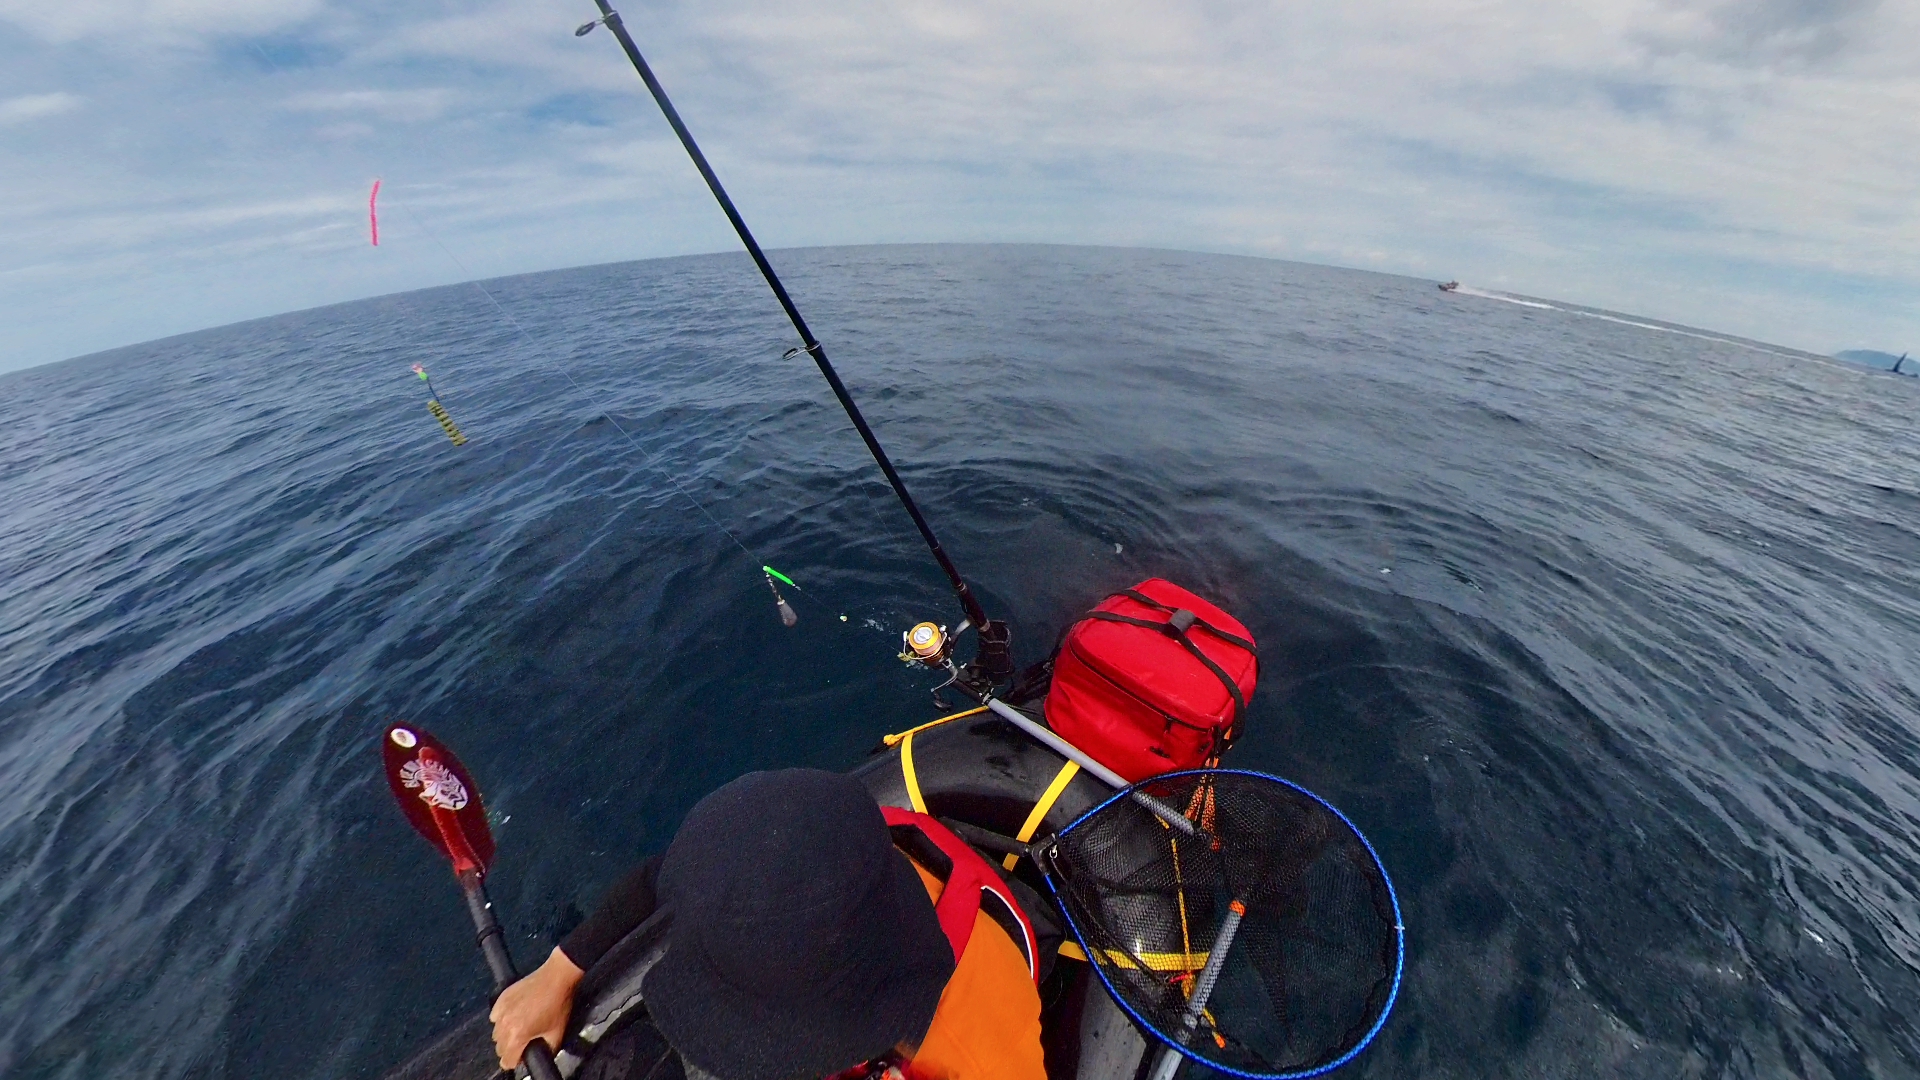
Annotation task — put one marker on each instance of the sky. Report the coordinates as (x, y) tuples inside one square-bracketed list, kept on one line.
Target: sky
[(1745, 166)]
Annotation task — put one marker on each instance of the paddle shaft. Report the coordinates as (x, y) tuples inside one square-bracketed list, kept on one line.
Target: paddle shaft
[(538, 1057)]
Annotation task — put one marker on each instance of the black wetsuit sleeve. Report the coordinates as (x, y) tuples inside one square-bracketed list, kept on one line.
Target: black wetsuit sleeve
[(624, 907)]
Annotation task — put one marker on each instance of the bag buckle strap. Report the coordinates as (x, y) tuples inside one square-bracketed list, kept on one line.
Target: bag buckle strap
[(1139, 597), (1176, 627)]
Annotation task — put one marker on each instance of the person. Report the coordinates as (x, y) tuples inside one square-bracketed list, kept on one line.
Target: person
[(804, 944)]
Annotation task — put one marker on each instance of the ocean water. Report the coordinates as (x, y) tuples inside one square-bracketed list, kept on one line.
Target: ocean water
[(1604, 631)]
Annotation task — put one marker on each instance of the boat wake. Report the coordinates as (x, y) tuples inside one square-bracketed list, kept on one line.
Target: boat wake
[(1468, 290)]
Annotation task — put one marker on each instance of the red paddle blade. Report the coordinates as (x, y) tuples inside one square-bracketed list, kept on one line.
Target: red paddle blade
[(438, 797)]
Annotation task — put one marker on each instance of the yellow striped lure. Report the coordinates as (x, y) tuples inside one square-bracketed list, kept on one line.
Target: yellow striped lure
[(439, 411), (787, 617)]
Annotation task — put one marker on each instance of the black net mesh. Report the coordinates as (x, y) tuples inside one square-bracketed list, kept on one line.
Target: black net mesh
[(1313, 963)]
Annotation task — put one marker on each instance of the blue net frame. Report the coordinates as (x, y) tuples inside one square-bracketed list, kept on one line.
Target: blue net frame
[(1312, 968)]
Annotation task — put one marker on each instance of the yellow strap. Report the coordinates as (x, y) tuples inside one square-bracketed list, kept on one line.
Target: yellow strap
[(1155, 961), (1158, 961), (904, 740), (1047, 798), (895, 739), (913, 778)]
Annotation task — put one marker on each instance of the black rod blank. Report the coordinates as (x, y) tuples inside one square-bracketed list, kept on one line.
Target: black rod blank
[(811, 344)]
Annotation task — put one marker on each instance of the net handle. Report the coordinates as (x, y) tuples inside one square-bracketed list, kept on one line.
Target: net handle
[(1202, 989), (1045, 850), (1086, 762)]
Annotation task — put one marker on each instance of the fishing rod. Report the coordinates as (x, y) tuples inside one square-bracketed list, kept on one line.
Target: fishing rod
[(994, 661)]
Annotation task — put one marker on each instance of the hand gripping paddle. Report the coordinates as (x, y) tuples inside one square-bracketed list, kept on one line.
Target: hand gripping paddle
[(443, 804)]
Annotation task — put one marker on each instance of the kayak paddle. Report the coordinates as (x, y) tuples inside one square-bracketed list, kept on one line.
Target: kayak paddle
[(443, 804)]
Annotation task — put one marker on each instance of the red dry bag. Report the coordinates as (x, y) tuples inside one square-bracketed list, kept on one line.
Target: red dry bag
[(1152, 680)]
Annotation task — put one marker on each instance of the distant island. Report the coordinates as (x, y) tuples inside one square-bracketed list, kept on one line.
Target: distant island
[(1875, 359)]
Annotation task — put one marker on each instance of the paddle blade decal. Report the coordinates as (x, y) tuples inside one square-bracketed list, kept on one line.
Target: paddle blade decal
[(438, 797)]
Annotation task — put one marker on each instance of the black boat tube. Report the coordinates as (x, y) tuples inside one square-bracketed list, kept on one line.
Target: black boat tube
[(989, 639)]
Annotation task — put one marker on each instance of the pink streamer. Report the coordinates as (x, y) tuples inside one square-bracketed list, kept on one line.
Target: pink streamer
[(373, 212)]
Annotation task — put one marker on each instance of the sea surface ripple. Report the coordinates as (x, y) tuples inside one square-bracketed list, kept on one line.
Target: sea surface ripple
[(1603, 630)]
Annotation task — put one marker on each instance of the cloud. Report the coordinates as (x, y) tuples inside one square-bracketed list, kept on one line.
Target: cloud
[(170, 20), (118, 243), (19, 110), (1743, 165), (1795, 34), (410, 106)]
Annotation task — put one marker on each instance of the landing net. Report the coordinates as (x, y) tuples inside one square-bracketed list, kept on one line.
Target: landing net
[(1312, 958)]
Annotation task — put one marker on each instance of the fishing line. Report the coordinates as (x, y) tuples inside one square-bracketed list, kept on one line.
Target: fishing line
[(787, 615), (434, 407), (993, 662), (591, 397)]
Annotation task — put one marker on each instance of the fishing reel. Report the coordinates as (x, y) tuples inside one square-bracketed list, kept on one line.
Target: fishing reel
[(930, 645)]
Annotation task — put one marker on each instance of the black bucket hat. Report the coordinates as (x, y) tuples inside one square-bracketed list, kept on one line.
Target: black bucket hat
[(803, 942)]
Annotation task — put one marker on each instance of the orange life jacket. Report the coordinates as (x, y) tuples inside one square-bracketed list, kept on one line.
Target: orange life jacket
[(987, 1026)]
